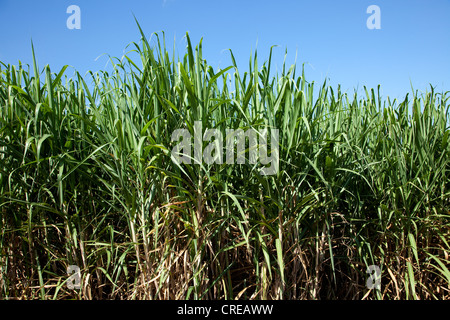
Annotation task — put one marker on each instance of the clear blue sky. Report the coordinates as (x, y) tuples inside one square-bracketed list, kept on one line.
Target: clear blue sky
[(330, 37)]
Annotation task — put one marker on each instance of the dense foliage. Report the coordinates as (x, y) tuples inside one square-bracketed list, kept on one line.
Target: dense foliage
[(86, 179)]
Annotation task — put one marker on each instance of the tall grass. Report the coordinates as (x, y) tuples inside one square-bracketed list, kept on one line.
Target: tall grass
[(86, 179)]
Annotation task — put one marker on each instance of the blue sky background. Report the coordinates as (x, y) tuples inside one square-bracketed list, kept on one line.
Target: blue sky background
[(330, 37)]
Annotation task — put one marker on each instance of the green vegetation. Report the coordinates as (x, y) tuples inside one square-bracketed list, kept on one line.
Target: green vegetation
[(86, 179)]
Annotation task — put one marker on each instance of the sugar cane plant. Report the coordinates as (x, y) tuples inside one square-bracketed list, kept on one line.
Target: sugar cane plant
[(87, 178)]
